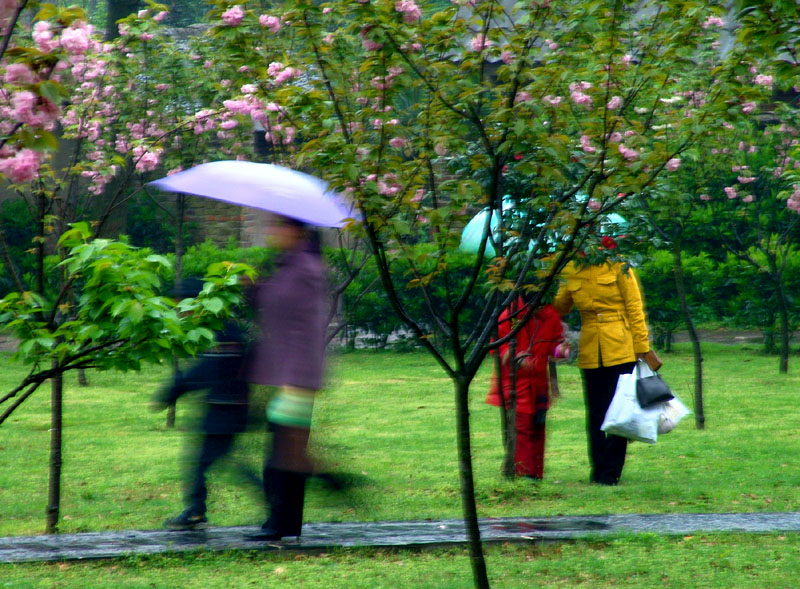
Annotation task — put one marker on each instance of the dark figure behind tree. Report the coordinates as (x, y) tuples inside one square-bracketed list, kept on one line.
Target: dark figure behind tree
[(218, 371)]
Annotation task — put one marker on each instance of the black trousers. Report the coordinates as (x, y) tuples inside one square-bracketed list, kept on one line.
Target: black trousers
[(606, 452), (285, 472), (212, 448)]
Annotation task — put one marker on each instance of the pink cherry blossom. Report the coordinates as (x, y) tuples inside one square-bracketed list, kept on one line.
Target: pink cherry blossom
[(160, 16), (409, 9), (627, 152), (748, 198), (614, 103), (273, 23), (552, 100), (730, 191), (367, 43), (19, 74), (745, 179), (615, 137), (673, 164), (713, 21), (793, 203), (763, 80), (580, 98), (397, 142), (75, 38), (579, 86), (507, 57), (705, 197), (523, 97), (43, 36), (594, 204), (586, 144), (233, 16), (748, 107), (33, 110), (480, 42), (22, 167)]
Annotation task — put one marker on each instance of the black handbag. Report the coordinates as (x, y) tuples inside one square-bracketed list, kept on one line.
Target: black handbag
[(651, 389)]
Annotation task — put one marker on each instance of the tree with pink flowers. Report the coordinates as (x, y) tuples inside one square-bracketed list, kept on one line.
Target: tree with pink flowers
[(101, 309), (755, 216), (424, 117)]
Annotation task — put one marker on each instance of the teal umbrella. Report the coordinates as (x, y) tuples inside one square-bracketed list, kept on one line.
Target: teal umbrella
[(473, 231)]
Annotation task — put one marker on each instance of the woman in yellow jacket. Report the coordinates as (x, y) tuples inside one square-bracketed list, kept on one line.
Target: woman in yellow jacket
[(613, 335)]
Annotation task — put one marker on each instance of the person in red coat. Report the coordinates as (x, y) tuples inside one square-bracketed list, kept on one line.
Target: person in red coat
[(536, 342)]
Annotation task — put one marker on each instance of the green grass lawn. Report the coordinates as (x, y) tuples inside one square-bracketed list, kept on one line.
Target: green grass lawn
[(388, 418)]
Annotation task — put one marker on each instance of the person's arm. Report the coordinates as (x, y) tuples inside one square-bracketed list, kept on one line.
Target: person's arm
[(563, 300), (633, 301)]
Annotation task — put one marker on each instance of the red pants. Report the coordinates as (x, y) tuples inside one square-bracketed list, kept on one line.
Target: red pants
[(529, 453)]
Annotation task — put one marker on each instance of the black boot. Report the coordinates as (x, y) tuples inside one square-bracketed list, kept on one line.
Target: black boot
[(285, 492)]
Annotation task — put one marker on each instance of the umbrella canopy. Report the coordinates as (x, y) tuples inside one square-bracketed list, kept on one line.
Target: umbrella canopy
[(263, 186), (610, 224), (473, 231)]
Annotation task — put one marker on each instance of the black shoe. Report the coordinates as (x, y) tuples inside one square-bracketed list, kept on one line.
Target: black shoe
[(269, 533), (188, 520), (265, 535)]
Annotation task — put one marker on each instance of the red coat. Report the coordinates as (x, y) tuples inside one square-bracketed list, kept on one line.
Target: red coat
[(536, 342)]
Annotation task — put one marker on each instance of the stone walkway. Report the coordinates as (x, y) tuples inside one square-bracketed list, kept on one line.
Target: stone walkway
[(410, 534)]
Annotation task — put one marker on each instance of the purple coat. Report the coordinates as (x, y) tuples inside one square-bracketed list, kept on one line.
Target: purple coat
[(292, 313)]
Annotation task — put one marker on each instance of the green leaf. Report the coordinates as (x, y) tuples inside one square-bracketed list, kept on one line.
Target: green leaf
[(213, 305)]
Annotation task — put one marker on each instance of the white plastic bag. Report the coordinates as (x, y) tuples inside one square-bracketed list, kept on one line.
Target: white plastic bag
[(626, 418), (672, 412)]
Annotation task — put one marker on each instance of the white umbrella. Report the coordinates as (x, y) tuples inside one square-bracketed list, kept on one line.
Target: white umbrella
[(263, 186)]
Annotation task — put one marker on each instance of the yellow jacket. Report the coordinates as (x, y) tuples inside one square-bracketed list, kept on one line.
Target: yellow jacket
[(613, 322)]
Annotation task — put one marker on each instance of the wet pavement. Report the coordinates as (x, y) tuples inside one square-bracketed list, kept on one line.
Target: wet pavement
[(408, 534)]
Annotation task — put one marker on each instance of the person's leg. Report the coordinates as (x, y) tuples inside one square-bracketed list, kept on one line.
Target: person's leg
[(285, 474), (606, 452), (213, 447), (529, 451)]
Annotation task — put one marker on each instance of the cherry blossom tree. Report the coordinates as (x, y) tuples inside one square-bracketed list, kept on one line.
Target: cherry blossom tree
[(57, 74), (425, 116)]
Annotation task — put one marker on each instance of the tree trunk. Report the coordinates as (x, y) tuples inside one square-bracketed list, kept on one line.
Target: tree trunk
[(509, 466), (54, 488), (783, 311), (680, 288), (468, 506), (82, 380)]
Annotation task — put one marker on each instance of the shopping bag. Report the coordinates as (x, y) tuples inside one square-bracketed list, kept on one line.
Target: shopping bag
[(671, 414), (626, 418)]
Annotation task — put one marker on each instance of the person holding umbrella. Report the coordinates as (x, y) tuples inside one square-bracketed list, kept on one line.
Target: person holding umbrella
[(289, 354), (291, 306)]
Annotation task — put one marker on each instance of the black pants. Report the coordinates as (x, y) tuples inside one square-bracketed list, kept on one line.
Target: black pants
[(285, 472), (212, 448), (606, 452)]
